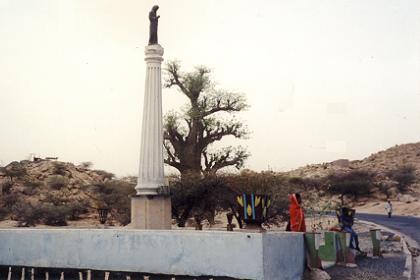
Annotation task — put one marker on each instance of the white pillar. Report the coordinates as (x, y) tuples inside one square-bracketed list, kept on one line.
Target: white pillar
[(151, 150)]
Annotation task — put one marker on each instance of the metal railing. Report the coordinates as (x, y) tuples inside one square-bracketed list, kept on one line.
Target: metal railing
[(38, 273)]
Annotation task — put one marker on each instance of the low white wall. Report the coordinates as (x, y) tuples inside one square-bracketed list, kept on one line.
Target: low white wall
[(235, 254)]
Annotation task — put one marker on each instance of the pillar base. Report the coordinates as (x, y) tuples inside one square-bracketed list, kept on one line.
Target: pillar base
[(151, 212)]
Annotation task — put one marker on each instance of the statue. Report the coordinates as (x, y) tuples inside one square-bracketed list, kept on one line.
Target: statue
[(153, 38)]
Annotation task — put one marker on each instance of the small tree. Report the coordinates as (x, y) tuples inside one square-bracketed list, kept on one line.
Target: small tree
[(404, 176), (115, 195), (188, 136), (194, 195), (14, 170), (26, 214), (356, 183)]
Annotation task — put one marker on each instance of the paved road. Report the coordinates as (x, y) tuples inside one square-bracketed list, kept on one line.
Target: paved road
[(409, 226)]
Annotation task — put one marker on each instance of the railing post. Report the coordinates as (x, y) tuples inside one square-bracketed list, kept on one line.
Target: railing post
[(375, 235), (23, 274)]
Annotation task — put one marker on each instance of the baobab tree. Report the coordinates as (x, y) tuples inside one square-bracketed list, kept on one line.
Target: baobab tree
[(208, 117)]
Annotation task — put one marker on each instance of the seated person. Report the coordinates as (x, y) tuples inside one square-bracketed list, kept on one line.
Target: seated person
[(346, 220)]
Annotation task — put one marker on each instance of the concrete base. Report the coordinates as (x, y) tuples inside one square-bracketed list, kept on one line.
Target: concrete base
[(151, 212), (240, 255)]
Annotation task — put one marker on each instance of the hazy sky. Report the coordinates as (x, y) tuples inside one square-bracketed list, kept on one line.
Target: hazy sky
[(325, 79)]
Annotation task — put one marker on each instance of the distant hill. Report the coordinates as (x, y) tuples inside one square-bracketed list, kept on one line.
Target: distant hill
[(379, 163), (53, 192)]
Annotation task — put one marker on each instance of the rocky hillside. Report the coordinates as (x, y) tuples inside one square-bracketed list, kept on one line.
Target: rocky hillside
[(379, 163), (53, 192)]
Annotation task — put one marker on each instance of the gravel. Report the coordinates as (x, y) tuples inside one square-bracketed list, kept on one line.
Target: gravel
[(389, 267)]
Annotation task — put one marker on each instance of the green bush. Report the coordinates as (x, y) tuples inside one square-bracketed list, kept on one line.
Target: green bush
[(194, 194), (26, 214), (57, 182), (54, 215), (31, 187), (356, 183), (404, 175), (115, 195), (57, 207), (205, 196), (76, 209)]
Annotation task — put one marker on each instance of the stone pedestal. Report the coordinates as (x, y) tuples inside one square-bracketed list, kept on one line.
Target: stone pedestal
[(151, 212)]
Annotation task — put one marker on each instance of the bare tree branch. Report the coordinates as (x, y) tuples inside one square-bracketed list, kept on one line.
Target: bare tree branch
[(228, 156), (174, 77)]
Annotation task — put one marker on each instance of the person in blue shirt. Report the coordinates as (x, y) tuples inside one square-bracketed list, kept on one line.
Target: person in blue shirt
[(346, 220)]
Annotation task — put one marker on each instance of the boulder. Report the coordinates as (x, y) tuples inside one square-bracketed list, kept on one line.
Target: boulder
[(316, 274)]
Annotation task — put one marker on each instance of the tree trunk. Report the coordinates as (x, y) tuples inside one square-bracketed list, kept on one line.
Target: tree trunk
[(185, 215)]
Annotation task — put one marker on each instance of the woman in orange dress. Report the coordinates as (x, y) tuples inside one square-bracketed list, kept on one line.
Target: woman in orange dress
[(297, 217)]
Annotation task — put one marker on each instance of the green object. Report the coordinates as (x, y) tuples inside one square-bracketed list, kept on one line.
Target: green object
[(327, 252), (312, 249), (375, 235)]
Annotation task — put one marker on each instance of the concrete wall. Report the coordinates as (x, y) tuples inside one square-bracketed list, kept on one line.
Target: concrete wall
[(283, 256), (234, 254)]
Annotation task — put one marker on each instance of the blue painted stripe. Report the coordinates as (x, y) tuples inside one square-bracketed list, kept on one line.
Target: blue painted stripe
[(253, 206), (245, 214)]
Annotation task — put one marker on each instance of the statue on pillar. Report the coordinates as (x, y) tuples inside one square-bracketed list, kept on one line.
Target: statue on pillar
[(153, 38)]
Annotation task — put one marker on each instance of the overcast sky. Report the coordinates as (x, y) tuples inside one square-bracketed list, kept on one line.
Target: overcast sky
[(325, 79)]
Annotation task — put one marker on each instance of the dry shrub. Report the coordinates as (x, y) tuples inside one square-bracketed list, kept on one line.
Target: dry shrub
[(8, 200), (57, 182), (115, 195), (26, 214), (55, 215), (77, 208), (31, 187), (104, 174), (6, 187), (59, 168), (15, 170)]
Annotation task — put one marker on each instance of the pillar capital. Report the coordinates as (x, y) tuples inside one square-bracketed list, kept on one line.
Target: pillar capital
[(153, 53)]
